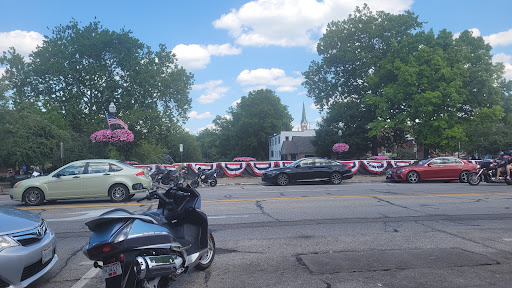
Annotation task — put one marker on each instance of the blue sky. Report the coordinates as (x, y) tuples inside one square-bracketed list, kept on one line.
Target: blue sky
[(234, 46)]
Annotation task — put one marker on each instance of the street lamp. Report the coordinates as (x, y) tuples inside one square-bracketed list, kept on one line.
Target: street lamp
[(340, 133), (112, 108)]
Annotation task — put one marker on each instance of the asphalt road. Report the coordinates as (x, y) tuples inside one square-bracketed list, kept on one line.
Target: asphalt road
[(350, 235)]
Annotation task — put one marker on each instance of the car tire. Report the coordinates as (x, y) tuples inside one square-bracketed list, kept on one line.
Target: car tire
[(283, 179), (413, 177), (464, 176), (33, 197), (336, 178), (118, 193)]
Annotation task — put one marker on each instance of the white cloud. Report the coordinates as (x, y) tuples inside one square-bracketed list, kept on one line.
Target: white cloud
[(212, 91), (195, 115), (209, 126), (313, 106), (507, 61), (475, 31), (262, 78), (499, 39), (24, 42), (195, 57), (2, 71), (293, 22), (236, 102)]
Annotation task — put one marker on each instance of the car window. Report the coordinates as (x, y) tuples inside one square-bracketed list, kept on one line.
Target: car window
[(454, 161), (307, 163), (321, 162), (115, 168), (438, 161), (76, 169), (98, 167)]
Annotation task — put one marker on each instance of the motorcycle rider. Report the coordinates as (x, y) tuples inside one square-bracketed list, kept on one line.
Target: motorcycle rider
[(502, 165)]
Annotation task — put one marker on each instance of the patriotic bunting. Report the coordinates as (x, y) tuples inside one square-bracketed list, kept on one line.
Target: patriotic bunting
[(259, 167), (353, 164), (203, 166), (375, 166), (233, 169), (397, 163)]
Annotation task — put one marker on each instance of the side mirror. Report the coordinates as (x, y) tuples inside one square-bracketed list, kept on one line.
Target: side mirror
[(429, 164), (57, 175)]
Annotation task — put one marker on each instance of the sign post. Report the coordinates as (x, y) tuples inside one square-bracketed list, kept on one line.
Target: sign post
[(181, 151)]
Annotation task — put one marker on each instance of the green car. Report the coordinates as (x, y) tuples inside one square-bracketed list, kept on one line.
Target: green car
[(95, 178)]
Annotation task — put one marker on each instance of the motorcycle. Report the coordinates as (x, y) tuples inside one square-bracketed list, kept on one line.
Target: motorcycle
[(208, 177), (157, 172), (486, 171), (154, 248), (174, 178)]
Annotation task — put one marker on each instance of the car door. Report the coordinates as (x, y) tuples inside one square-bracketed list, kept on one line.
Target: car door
[(303, 170), (453, 168), (322, 169), (67, 182), (98, 179), (433, 169)]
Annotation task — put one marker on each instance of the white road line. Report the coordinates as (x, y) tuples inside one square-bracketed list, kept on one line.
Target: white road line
[(507, 239), (228, 216), (88, 276)]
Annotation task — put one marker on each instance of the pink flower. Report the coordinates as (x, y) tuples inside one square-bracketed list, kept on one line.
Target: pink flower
[(116, 136), (379, 158), (244, 159), (340, 147)]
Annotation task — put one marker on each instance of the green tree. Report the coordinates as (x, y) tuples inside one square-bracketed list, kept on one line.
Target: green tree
[(351, 51), (246, 131)]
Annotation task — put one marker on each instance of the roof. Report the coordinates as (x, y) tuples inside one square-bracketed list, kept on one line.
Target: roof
[(298, 144)]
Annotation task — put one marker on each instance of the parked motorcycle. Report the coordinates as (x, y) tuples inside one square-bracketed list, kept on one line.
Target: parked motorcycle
[(205, 177), (174, 178), (154, 248), (157, 172), (486, 171)]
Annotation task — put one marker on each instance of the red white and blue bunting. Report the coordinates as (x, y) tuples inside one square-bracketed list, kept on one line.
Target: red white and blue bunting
[(259, 167), (355, 164), (282, 163), (203, 166), (233, 169), (375, 166), (398, 163)]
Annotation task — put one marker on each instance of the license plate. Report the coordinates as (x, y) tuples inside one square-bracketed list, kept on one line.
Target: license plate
[(112, 270), (47, 254)]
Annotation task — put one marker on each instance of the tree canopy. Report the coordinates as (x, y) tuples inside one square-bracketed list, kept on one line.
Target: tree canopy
[(79, 70), (407, 82), (246, 131)]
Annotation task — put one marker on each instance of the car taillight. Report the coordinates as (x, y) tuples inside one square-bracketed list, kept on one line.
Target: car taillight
[(141, 173)]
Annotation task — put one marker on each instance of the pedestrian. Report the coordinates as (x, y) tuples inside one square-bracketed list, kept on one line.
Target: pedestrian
[(9, 173), (24, 169)]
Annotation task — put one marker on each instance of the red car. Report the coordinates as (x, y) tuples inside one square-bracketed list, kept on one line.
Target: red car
[(441, 168)]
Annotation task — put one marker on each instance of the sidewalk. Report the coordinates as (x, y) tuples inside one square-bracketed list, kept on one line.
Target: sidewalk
[(257, 180)]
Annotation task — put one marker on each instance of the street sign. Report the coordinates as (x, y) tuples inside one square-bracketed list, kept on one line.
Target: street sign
[(181, 147)]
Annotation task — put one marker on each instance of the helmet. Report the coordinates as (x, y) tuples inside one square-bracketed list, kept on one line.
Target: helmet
[(501, 153)]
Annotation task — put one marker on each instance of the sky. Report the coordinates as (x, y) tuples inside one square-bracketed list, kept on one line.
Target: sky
[(235, 46)]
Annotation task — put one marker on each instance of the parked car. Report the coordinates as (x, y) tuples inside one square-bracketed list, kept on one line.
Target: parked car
[(440, 168), (27, 247), (83, 179), (308, 169)]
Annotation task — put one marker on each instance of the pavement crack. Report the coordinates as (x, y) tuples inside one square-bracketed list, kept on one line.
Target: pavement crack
[(258, 204)]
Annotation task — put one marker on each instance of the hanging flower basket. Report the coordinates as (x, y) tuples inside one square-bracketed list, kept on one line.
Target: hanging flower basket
[(244, 159), (340, 147), (115, 136), (378, 158)]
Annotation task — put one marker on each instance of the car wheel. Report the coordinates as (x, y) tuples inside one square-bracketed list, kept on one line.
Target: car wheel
[(118, 193), (413, 177), (463, 177), (33, 197), (336, 178), (283, 179)]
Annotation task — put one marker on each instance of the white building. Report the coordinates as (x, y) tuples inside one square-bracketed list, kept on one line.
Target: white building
[(276, 141)]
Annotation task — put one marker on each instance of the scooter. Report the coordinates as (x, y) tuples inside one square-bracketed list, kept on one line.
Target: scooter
[(154, 248), (208, 177)]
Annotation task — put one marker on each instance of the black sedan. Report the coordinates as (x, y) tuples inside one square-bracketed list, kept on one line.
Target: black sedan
[(308, 169)]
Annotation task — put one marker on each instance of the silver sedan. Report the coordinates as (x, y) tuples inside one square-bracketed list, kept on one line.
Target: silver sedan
[(27, 247)]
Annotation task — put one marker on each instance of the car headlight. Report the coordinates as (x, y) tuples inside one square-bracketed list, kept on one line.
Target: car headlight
[(6, 242)]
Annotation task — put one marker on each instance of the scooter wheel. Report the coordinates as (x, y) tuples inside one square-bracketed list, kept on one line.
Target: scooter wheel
[(213, 183), (207, 258)]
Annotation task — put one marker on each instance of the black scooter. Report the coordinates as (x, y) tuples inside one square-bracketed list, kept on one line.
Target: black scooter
[(154, 248), (208, 178)]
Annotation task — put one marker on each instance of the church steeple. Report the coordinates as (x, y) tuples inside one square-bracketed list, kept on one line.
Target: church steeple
[(304, 123)]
